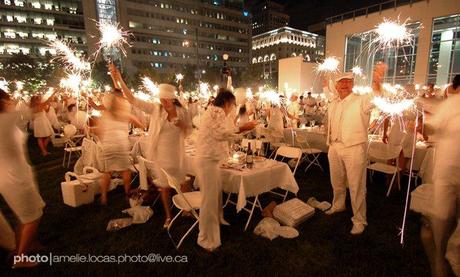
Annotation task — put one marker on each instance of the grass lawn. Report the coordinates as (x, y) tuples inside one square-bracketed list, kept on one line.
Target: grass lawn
[(324, 247)]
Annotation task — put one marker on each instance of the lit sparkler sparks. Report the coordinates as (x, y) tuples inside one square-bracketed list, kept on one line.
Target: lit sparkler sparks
[(271, 96), (72, 82), (112, 37), (19, 85), (3, 85), (150, 86), (179, 77), (362, 90), (204, 90), (358, 71), (392, 34), (329, 65), (69, 56), (392, 109)]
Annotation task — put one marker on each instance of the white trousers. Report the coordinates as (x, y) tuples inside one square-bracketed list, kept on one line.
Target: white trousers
[(348, 167), (211, 210)]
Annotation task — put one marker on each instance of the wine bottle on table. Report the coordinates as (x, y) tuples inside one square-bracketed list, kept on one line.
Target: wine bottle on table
[(249, 157)]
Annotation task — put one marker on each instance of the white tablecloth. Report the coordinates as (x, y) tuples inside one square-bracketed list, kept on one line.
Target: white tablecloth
[(264, 177)]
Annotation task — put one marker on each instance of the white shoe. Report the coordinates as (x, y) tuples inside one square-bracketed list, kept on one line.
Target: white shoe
[(357, 229), (334, 210)]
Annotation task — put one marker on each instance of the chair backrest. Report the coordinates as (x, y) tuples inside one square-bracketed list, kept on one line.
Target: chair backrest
[(291, 153), (172, 182), (381, 151)]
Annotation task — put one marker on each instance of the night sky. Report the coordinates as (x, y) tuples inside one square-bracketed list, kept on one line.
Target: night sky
[(307, 12)]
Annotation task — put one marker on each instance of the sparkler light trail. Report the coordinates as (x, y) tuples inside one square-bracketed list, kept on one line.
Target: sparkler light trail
[(179, 77), (69, 57), (329, 65), (112, 37), (392, 109), (150, 86), (358, 71), (392, 34)]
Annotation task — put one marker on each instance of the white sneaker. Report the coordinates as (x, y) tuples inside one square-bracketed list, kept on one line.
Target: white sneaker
[(334, 210), (357, 229)]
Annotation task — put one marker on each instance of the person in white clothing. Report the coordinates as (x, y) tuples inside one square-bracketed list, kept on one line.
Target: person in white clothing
[(348, 122), (211, 148), (42, 126), (170, 124), (293, 112), (17, 185)]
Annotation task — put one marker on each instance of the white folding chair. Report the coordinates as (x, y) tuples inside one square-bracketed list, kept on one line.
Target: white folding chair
[(378, 156), (70, 147), (287, 152), (276, 141), (310, 154), (184, 201)]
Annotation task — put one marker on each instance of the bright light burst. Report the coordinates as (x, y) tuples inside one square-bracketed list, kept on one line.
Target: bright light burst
[(204, 90), (69, 57), (362, 90), (150, 86), (112, 37), (179, 77), (392, 34), (329, 65), (392, 109), (19, 85), (358, 71), (3, 85), (72, 83), (270, 96)]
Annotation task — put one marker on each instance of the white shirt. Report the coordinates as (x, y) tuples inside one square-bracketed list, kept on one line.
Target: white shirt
[(349, 119), (214, 134)]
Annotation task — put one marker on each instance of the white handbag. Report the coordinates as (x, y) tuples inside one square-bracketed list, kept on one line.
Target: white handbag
[(77, 192)]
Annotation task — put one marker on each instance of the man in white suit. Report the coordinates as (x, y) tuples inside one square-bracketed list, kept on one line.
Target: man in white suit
[(348, 123)]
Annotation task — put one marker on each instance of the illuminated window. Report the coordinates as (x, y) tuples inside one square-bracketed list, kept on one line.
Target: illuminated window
[(48, 6), (36, 5), (9, 18), (19, 3), (38, 20), (20, 18), (50, 22), (7, 2), (9, 34)]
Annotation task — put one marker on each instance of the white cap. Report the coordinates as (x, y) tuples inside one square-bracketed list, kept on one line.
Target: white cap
[(345, 76), (167, 91)]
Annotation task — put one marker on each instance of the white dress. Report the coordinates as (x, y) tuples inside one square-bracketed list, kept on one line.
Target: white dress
[(17, 185), (169, 154), (275, 122), (115, 144), (42, 126), (52, 117)]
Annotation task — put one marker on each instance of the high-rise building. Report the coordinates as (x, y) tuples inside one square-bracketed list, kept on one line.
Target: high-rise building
[(267, 16), (26, 26), (269, 47), (169, 34)]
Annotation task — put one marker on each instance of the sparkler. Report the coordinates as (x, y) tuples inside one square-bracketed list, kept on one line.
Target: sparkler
[(19, 85), (329, 65), (112, 38), (72, 82), (3, 85), (392, 34), (69, 57), (392, 108), (150, 86), (271, 96), (358, 71), (204, 90), (179, 78), (362, 90)]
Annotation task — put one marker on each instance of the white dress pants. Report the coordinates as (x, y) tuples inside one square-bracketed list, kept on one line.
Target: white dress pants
[(211, 210), (348, 167)]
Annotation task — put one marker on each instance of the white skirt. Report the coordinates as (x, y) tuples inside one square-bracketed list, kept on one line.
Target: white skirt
[(42, 126)]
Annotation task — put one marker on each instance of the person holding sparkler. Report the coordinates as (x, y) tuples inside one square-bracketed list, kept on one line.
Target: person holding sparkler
[(115, 143), (170, 124), (347, 136)]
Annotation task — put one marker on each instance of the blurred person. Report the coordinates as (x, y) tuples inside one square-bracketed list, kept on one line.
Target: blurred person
[(275, 119), (454, 88), (211, 148), (293, 111), (347, 136), (445, 219), (242, 116), (114, 132), (17, 185), (43, 129), (170, 124)]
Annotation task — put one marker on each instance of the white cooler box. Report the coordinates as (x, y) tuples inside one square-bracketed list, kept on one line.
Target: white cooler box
[(77, 192), (293, 212)]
